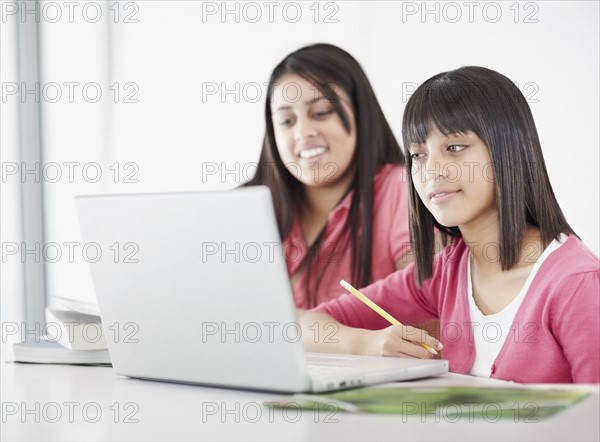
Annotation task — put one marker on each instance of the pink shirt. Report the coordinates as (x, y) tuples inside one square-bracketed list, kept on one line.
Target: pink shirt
[(555, 335), (390, 238)]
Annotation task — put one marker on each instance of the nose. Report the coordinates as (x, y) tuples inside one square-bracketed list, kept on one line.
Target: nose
[(304, 129), (437, 167), (432, 166)]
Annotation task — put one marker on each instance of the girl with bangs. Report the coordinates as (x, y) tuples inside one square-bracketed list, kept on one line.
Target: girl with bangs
[(516, 291)]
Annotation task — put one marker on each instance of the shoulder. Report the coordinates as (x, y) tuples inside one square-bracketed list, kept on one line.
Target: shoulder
[(569, 277), (572, 258), (391, 183), (391, 174)]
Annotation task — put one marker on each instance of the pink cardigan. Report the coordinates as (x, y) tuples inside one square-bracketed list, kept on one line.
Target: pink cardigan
[(555, 335)]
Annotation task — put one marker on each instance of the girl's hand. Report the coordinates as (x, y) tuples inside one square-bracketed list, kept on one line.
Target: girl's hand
[(399, 341)]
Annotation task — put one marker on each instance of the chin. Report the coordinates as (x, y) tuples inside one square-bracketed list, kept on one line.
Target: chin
[(447, 221), (315, 184)]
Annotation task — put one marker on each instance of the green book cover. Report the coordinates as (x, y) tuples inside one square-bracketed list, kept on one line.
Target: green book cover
[(453, 402)]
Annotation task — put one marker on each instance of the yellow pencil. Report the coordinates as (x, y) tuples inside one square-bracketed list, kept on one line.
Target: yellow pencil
[(380, 311)]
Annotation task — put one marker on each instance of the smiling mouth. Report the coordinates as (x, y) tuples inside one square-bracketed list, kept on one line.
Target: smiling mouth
[(312, 153), (441, 196)]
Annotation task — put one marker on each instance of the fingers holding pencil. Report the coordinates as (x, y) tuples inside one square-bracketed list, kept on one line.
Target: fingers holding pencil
[(416, 337), (400, 341), (430, 344)]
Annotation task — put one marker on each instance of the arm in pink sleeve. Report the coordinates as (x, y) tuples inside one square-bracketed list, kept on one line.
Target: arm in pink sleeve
[(397, 294), (577, 326)]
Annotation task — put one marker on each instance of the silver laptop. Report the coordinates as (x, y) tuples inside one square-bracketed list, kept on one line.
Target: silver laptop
[(192, 287)]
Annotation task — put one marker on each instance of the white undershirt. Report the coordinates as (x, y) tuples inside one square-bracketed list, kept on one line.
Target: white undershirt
[(490, 331)]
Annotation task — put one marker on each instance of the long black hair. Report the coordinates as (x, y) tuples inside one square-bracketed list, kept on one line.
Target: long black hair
[(485, 102), (328, 67)]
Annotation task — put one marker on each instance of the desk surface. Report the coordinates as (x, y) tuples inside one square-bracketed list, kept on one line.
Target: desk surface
[(54, 402)]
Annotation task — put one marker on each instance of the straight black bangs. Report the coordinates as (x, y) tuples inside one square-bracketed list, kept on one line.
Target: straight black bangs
[(445, 106)]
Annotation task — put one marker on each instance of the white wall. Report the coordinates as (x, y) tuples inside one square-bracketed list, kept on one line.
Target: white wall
[(174, 50)]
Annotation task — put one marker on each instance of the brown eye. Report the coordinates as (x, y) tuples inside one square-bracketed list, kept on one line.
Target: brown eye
[(322, 114), (285, 122)]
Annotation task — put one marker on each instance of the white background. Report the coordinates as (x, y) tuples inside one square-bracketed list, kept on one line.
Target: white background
[(175, 132)]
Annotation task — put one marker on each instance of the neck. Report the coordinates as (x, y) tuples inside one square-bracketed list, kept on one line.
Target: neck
[(321, 200), (484, 243)]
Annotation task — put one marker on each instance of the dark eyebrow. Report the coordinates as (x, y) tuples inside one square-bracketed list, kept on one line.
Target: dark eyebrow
[(307, 102)]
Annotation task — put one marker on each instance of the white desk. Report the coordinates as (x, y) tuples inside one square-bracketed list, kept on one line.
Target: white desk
[(162, 411)]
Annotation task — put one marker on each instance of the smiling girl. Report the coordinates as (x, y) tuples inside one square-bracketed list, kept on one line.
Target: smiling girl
[(517, 292), (336, 173)]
